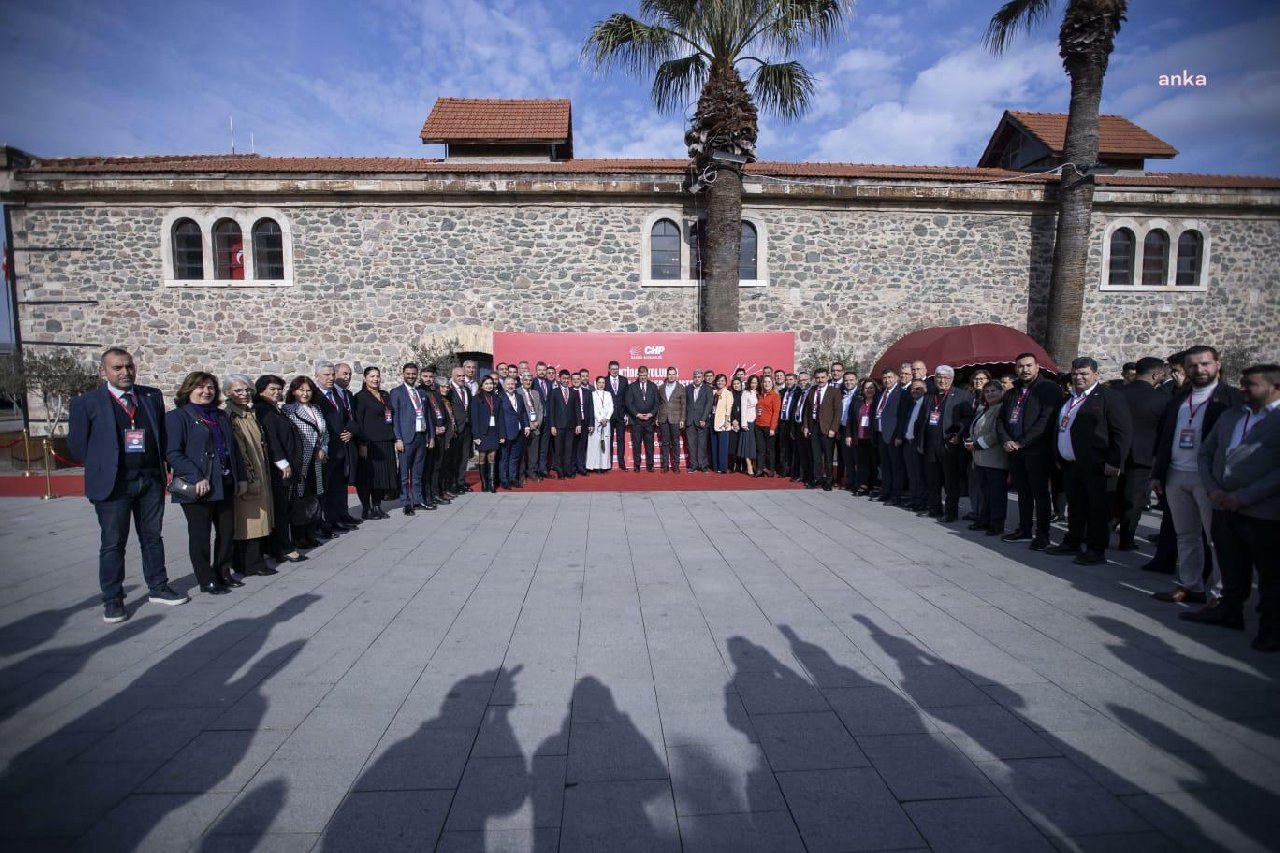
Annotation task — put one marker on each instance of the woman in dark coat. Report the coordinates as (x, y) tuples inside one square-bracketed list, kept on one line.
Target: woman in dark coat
[(308, 481), (377, 477), (484, 432), (284, 455), (735, 429), (201, 449)]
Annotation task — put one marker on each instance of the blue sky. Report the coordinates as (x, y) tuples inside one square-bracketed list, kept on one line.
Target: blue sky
[(908, 83)]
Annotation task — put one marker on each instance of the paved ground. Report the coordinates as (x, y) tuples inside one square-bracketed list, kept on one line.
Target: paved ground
[(731, 671)]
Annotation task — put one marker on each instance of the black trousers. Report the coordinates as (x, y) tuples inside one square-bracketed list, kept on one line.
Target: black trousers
[(142, 501), (1087, 516), (866, 459), (764, 449), (563, 449), (618, 435), (278, 543), (696, 447), (432, 463), (893, 470), (580, 451), (670, 446), (786, 449), (801, 454), (1031, 478), (994, 486), (1244, 545), (530, 465), (463, 458), (335, 489), (206, 518), (642, 439), (917, 488), (823, 449), (944, 468), (247, 555), (1134, 489), (846, 461)]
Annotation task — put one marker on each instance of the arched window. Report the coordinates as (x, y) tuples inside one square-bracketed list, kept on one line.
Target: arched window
[(1155, 259), (1190, 254), (747, 253), (268, 250), (664, 251), (228, 251), (188, 251), (1120, 268)]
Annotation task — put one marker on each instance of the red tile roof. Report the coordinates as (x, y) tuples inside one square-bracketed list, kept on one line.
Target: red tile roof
[(455, 120), (252, 164), (1117, 136)]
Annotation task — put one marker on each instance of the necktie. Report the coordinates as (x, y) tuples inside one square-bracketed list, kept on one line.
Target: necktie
[(127, 399)]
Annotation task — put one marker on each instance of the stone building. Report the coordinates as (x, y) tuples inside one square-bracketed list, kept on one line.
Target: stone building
[(251, 263)]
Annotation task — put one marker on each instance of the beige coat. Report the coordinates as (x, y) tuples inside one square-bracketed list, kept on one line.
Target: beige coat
[(724, 409), (253, 508)]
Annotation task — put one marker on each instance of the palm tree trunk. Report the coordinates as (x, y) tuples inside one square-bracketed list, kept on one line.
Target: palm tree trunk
[(723, 243)]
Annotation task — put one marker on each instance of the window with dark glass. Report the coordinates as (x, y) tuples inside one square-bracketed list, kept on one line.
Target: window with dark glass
[(747, 253), (268, 250), (1155, 259), (1190, 253), (188, 251), (228, 250), (1120, 268), (664, 251)]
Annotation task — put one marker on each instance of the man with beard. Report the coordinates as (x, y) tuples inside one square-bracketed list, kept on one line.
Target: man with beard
[(1025, 429)]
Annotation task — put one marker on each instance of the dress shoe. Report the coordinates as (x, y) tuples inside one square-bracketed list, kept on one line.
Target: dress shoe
[(349, 519), (367, 514), (1266, 643), (443, 500), (1063, 549), (267, 571), (1180, 596), (1040, 543), (341, 526), (408, 510), (230, 581), (826, 487), (949, 517), (1016, 536), (1159, 568), (382, 513), (214, 589), (1126, 545), (1090, 558), (1216, 614), (428, 507), (977, 526), (295, 557)]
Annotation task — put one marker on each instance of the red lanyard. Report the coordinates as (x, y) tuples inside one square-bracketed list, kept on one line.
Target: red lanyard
[(1022, 398), (130, 411), (1192, 408), (938, 402), (417, 402), (1072, 404), (488, 401)]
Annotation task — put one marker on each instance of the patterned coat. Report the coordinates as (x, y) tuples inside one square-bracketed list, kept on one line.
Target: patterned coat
[(313, 435), (253, 508)]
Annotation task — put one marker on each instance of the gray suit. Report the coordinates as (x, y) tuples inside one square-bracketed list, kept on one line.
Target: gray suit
[(1247, 539), (536, 448), (696, 436)]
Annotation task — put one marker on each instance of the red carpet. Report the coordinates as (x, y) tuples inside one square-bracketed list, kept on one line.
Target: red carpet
[(72, 485)]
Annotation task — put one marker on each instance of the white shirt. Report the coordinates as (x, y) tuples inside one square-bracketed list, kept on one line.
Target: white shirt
[(1250, 419), (1189, 421), (750, 404), (911, 421), (1067, 418)]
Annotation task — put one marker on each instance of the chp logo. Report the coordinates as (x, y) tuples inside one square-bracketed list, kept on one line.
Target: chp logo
[(652, 353)]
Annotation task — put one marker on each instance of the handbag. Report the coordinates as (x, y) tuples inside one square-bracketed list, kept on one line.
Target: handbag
[(184, 490), (304, 510)]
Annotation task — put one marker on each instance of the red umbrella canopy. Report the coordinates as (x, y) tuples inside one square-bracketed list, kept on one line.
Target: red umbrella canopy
[(963, 346)]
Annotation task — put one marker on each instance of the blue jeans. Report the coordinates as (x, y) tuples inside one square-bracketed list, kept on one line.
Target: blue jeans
[(411, 464), (143, 501), (719, 451)]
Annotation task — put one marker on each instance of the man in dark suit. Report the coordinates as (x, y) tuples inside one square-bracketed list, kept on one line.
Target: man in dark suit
[(948, 411), (1146, 406), (460, 395), (513, 429), (117, 431), (642, 408), (437, 439), (1092, 440), (888, 428), (788, 394), (616, 384), (409, 422), (1240, 466), (1025, 428), (562, 420), (1187, 422), (697, 412), (821, 424), (335, 404), (911, 421), (545, 382), (586, 411)]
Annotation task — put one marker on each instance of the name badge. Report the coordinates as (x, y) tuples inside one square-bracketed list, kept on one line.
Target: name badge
[(135, 441), (1187, 439), (387, 417), (492, 421), (1064, 424), (1015, 415), (866, 421), (935, 418), (419, 424)]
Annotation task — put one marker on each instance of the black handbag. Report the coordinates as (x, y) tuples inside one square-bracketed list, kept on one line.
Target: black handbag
[(304, 510), (184, 490)]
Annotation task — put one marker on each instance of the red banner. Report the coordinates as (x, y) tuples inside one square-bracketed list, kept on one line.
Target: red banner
[(723, 352)]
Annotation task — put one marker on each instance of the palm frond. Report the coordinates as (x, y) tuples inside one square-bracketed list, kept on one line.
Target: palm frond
[(624, 42), (782, 88), (814, 22), (1013, 16), (676, 82)]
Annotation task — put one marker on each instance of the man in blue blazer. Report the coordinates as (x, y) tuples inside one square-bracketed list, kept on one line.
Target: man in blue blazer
[(409, 422), (117, 432), (564, 423), (513, 427), (890, 424)]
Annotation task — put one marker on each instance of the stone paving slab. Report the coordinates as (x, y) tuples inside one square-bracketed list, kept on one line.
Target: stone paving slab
[(639, 671)]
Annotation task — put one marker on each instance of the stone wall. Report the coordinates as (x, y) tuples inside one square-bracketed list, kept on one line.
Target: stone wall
[(370, 279)]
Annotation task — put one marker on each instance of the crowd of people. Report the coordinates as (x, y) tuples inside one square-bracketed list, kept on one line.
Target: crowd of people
[(262, 466)]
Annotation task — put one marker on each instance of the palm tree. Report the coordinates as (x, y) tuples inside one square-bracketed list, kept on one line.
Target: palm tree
[(695, 47), (1085, 42)]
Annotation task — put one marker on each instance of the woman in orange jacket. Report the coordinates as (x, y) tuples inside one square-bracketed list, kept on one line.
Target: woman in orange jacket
[(768, 407)]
